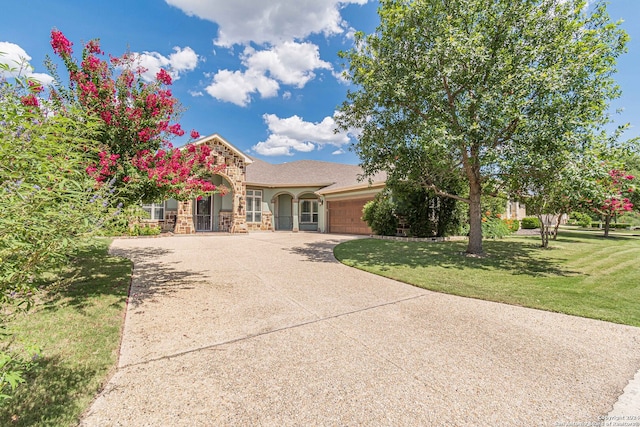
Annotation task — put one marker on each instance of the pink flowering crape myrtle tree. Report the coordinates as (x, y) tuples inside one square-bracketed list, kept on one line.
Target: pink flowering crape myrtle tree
[(136, 121), (614, 198)]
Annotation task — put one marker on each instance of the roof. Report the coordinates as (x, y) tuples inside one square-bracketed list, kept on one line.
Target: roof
[(333, 177)]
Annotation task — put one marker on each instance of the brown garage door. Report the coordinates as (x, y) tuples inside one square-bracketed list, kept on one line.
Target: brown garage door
[(345, 217)]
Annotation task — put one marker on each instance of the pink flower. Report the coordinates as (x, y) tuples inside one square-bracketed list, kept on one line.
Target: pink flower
[(29, 100), (60, 44), (629, 177), (163, 77), (144, 135), (176, 130), (195, 134), (106, 116), (91, 63), (94, 47)]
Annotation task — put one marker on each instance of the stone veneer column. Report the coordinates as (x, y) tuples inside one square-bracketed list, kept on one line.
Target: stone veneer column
[(184, 221), (239, 204)]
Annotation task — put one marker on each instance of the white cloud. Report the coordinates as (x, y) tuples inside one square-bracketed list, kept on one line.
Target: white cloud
[(290, 63), (294, 134), (338, 151), (195, 93), (286, 95), (179, 62), (274, 21), (341, 77), (17, 59), (237, 86)]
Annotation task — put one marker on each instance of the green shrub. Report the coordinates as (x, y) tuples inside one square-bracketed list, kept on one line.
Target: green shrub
[(144, 230), (580, 218), (530, 223), (379, 215), (495, 228)]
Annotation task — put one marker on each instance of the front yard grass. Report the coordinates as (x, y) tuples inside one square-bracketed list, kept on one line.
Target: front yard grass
[(581, 274), (78, 328)]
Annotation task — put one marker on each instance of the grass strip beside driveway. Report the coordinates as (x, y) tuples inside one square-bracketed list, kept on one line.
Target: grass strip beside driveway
[(581, 274), (78, 327)]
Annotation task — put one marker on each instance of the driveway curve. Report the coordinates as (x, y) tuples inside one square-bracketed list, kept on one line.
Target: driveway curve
[(269, 329)]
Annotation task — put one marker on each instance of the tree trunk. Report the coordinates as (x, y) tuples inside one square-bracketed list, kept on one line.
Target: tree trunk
[(607, 222), (544, 232), (555, 230), (475, 220)]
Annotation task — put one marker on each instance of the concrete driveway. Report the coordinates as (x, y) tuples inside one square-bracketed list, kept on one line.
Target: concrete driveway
[(269, 329)]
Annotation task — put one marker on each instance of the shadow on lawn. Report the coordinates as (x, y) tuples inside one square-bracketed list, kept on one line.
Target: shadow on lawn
[(51, 387), (519, 257), (91, 273)]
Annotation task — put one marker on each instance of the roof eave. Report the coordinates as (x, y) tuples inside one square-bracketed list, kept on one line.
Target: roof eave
[(373, 185), (270, 185)]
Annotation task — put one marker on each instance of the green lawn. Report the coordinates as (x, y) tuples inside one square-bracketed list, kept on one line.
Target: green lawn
[(78, 328), (581, 274)]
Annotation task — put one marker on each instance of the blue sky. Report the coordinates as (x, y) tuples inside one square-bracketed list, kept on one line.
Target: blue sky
[(263, 74)]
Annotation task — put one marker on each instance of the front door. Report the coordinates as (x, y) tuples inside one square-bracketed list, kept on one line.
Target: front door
[(204, 218)]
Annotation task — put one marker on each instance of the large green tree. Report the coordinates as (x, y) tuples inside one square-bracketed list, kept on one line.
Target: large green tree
[(448, 89)]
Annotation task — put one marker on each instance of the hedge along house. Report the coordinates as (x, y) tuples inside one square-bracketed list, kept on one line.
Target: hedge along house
[(305, 195)]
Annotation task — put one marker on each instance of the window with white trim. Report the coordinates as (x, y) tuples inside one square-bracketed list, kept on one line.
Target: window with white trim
[(254, 206), (309, 211), (155, 210)]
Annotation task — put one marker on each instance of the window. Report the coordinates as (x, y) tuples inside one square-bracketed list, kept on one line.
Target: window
[(308, 211), (254, 206), (155, 210)]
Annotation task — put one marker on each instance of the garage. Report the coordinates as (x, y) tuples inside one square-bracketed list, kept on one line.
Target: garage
[(345, 216)]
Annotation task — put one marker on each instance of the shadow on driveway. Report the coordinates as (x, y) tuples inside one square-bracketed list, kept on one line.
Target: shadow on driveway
[(153, 277), (317, 251)]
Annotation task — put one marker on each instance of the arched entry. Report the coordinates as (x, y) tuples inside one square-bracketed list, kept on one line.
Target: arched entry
[(218, 213), (215, 212), (284, 212)]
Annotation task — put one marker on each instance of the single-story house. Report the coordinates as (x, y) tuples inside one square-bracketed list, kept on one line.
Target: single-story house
[(304, 195)]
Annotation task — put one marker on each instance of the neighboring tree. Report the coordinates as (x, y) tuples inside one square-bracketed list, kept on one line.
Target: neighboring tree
[(136, 122), (614, 198), (447, 90)]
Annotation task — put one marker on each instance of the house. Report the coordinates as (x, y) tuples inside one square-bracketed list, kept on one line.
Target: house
[(516, 210), (305, 195)]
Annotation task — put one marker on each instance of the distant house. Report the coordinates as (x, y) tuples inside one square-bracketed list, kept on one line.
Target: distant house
[(305, 195), (516, 210)]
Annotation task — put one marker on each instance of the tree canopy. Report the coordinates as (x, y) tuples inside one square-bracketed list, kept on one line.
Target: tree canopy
[(450, 90)]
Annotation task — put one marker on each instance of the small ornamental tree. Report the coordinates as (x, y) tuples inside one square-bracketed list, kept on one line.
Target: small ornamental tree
[(136, 122), (615, 196)]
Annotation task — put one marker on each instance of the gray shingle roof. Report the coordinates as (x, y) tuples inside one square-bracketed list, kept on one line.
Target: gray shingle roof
[(308, 173)]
